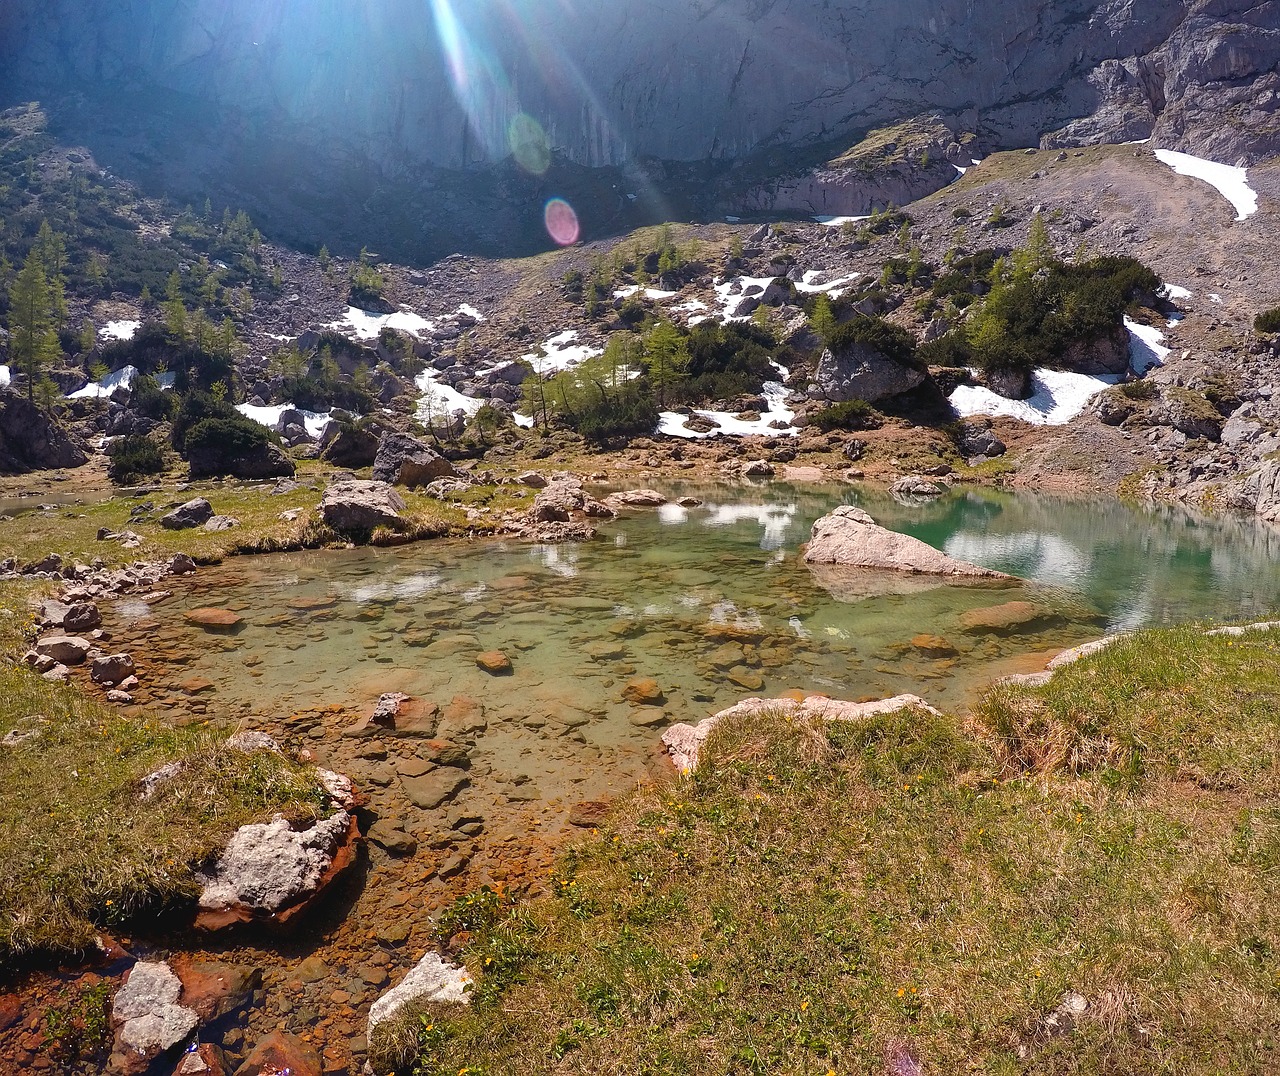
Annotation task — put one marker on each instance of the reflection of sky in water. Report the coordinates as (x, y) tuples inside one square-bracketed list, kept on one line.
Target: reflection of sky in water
[(1046, 558), (413, 586), (776, 519), (562, 560)]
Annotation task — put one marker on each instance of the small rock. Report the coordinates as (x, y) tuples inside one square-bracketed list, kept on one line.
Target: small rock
[(280, 1054), (758, 469), (431, 979), (110, 670), (214, 620), (192, 514), (494, 662), (64, 649), (645, 692)]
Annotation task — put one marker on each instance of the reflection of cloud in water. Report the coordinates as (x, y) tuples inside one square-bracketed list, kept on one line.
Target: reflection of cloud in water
[(414, 586), (561, 561), (801, 631), (1045, 558), (475, 593), (672, 513), (776, 519)]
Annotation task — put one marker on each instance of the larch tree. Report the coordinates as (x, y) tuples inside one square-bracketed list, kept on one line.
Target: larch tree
[(33, 341), (666, 356)]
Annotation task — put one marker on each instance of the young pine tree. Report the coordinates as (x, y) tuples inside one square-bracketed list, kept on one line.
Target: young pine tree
[(33, 340), (666, 355)]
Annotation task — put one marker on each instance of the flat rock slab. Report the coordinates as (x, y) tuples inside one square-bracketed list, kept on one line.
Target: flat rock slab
[(851, 538), (1006, 619), (435, 788), (494, 662), (214, 620)]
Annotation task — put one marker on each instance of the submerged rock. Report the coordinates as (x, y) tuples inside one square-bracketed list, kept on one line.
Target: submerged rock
[(281, 1054), (850, 537)]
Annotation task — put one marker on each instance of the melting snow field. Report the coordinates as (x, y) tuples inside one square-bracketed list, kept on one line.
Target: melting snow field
[(1175, 292), (119, 330), (367, 325), (672, 422), (270, 416), (95, 390), (835, 222), (1232, 183), (1146, 346), (440, 399), (562, 353), (809, 285), (1058, 397), (649, 293), (6, 377)]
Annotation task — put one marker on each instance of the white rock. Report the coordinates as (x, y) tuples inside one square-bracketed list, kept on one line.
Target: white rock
[(147, 1012), (431, 979)]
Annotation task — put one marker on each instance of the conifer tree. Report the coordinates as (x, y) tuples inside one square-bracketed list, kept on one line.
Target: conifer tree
[(666, 355), (33, 341)]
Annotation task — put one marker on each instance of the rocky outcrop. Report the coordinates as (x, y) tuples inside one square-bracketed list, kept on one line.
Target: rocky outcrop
[(563, 499), (858, 372), (356, 506), (684, 742), (850, 538), (403, 460), (350, 446), (32, 441), (267, 460), (271, 872)]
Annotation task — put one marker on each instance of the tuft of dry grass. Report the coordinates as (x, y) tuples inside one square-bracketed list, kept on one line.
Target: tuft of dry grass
[(918, 893)]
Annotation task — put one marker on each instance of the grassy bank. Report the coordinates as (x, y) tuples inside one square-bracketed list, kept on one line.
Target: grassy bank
[(915, 894), (82, 850)]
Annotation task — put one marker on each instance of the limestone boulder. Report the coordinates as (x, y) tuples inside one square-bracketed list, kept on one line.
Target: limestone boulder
[(271, 872), (357, 506), (859, 372), (194, 513), (111, 669), (635, 498), (63, 649), (147, 1018), (849, 537), (405, 461), (349, 446), (81, 616)]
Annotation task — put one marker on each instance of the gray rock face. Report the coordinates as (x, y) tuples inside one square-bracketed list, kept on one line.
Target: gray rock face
[(268, 460), (29, 439), (851, 538), (405, 461), (349, 446), (192, 514), (861, 373), (356, 505)]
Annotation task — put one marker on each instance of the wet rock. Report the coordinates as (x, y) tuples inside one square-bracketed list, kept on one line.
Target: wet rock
[(81, 616), (643, 692), (64, 649), (112, 669), (435, 788), (203, 1059), (933, 646), (271, 872), (353, 505), (147, 1018), (215, 989), (192, 514), (746, 678), (221, 621), (684, 742), (851, 538), (494, 662), (387, 709), (181, 564), (405, 461), (389, 835), (758, 469), (432, 979), (1006, 619), (281, 1054)]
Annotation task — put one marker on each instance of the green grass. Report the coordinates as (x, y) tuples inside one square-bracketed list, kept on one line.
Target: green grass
[(82, 852), (72, 531), (846, 898)]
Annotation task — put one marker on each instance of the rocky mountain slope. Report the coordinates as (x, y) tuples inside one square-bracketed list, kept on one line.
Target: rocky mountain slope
[(753, 89)]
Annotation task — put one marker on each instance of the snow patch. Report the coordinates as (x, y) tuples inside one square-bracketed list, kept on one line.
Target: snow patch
[(6, 377), (1231, 182), (269, 416), (1058, 397), (672, 423), (649, 293), (835, 222), (440, 399), (562, 353), (809, 284), (729, 298), (1146, 347), (366, 325), (470, 311), (1175, 292), (119, 330), (96, 390)]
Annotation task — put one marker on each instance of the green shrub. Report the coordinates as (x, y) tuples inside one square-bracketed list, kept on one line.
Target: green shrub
[(889, 340), (1268, 321), (134, 456), (851, 415), (1139, 390)]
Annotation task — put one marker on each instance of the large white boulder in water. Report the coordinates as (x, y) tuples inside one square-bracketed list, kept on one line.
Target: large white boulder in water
[(851, 538)]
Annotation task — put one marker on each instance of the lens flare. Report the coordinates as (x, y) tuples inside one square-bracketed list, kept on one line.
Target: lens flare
[(528, 143), (561, 222)]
